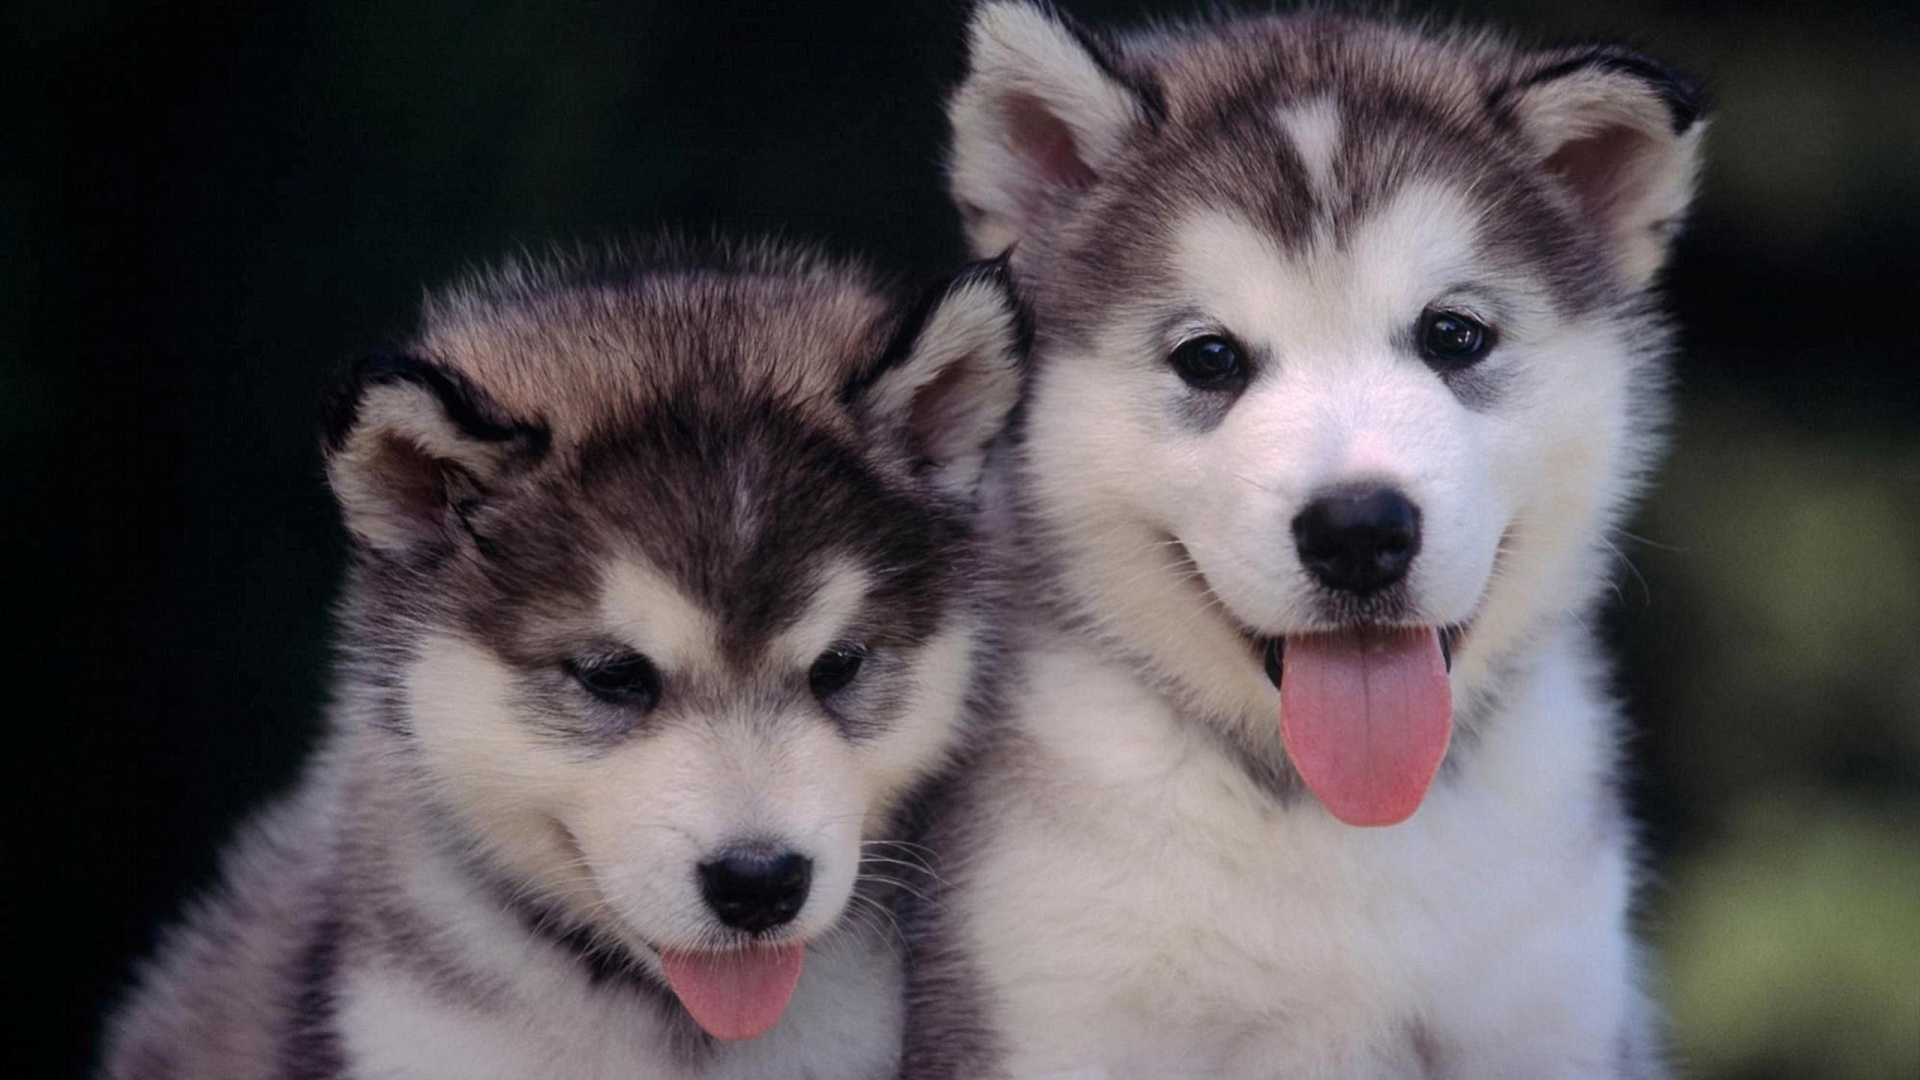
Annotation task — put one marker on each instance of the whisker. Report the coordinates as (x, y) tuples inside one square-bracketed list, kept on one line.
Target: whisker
[(918, 867), (1646, 591), (896, 883)]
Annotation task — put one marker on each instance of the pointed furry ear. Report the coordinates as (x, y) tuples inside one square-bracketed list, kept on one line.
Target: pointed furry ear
[(1040, 114), (945, 386), (1623, 131), (412, 448)]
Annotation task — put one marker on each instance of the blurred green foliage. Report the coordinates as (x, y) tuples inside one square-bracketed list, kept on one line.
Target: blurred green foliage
[(1792, 946), (1788, 607)]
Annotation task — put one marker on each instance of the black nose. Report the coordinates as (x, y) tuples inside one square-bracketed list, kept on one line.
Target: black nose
[(756, 890), (1358, 540)]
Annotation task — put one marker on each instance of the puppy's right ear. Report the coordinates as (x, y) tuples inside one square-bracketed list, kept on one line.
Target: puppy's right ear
[(413, 448), (1041, 114)]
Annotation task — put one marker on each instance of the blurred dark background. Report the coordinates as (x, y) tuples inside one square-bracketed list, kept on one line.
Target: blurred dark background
[(206, 209)]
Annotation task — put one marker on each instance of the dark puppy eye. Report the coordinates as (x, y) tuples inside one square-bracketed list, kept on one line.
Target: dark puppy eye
[(1451, 341), (1209, 362), (835, 668), (626, 679)]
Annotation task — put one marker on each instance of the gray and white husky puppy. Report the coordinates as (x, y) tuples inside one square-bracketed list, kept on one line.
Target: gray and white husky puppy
[(664, 605), (1346, 364)]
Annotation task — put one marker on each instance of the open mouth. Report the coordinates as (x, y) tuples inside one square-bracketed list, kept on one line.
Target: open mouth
[(1366, 709), (1366, 714), (733, 993)]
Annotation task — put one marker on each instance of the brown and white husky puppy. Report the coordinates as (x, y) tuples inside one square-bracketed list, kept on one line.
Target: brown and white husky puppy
[(665, 602), (1346, 363)]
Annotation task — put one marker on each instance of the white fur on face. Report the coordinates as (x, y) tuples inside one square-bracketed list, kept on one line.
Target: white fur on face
[(617, 835), (840, 590), (647, 816), (1340, 397), (645, 610), (1340, 401)]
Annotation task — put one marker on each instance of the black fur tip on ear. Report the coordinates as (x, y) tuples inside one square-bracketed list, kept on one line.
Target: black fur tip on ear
[(1684, 96), (996, 271), (465, 405)]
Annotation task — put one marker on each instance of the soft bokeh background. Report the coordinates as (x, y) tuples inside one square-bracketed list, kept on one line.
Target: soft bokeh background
[(206, 210)]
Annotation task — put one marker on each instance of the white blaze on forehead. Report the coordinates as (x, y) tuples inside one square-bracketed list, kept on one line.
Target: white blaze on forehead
[(648, 611), (747, 499), (839, 591), (1314, 128)]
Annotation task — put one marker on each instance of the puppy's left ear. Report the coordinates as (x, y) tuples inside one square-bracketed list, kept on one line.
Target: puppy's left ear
[(946, 385), (1623, 131)]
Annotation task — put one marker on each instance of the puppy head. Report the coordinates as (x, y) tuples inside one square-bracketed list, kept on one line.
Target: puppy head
[(671, 574), (1341, 326)]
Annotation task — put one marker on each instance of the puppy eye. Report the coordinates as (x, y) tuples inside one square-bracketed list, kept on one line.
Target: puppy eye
[(626, 679), (1452, 341), (835, 668), (1209, 362)]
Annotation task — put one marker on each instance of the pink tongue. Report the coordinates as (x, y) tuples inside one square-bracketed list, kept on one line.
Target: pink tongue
[(737, 993), (1366, 717)]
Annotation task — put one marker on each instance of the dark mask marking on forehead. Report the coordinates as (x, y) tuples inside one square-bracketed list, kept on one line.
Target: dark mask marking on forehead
[(1253, 170), (687, 415), (743, 504), (1118, 246), (1223, 147)]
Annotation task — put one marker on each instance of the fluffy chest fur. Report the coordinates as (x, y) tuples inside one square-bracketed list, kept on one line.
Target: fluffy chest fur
[(1144, 909), (544, 1023)]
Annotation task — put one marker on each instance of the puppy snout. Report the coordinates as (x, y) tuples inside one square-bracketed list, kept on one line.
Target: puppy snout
[(755, 890), (1358, 540)]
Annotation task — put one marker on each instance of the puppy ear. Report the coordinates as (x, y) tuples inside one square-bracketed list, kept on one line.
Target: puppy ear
[(1623, 132), (1041, 113), (946, 385), (412, 449)]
